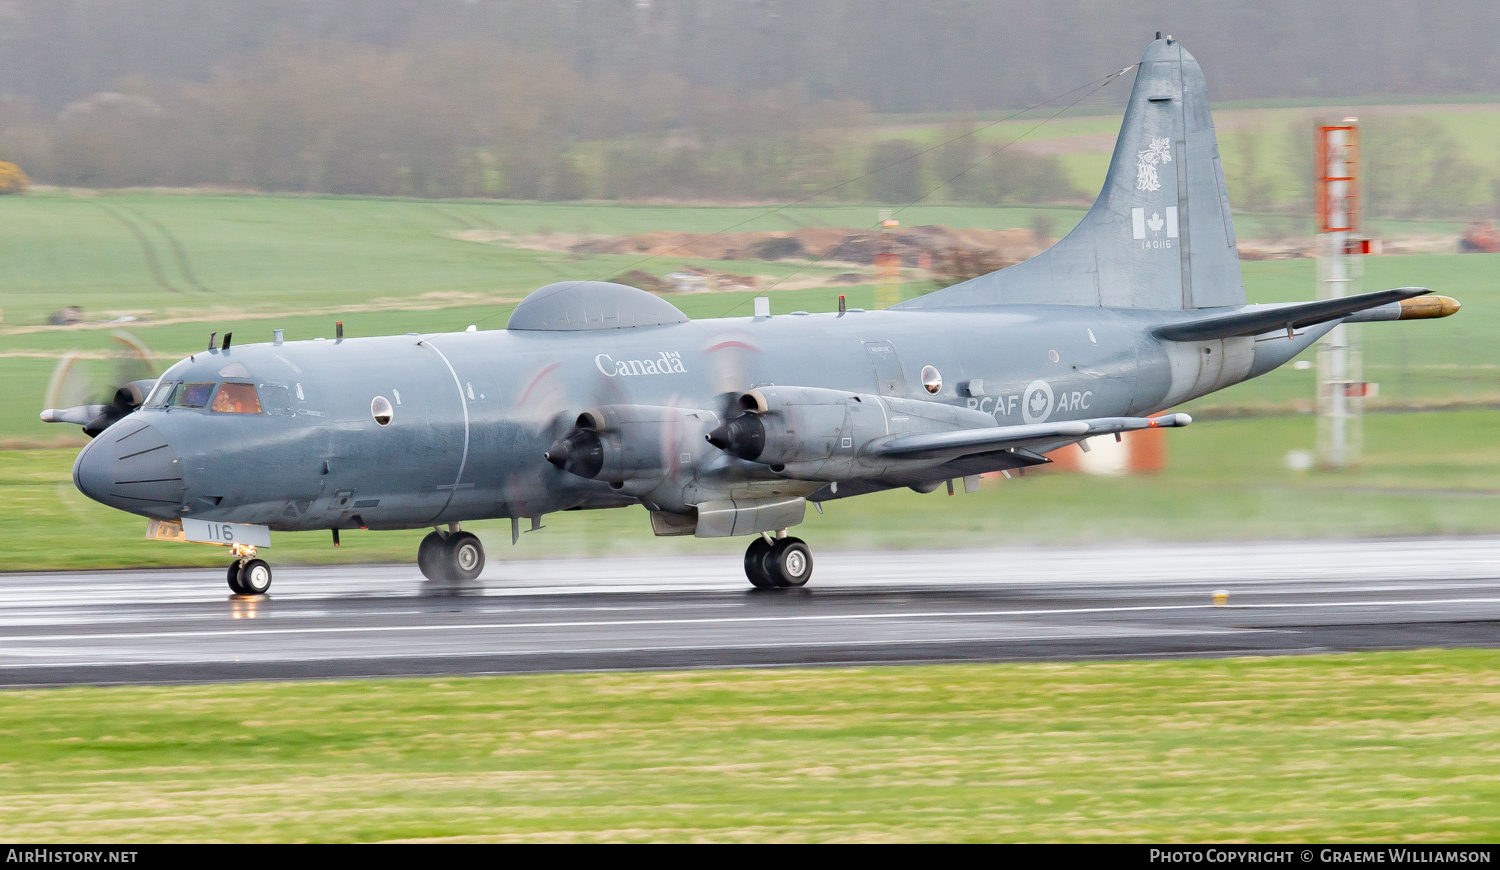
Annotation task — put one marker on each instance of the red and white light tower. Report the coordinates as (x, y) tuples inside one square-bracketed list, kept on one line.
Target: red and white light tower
[(1341, 389)]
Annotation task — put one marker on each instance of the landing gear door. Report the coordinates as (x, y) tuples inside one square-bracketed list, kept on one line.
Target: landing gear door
[(890, 380)]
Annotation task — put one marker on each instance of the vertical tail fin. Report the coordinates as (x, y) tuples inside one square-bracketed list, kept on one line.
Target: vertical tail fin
[(1160, 234)]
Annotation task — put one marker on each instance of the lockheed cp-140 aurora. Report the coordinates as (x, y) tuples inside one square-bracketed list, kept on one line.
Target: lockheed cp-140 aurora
[(599, 395)]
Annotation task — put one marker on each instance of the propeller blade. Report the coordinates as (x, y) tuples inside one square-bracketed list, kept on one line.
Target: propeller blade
[(80, 415), (133, 360), (70, 384), (731, 358), (73, 395)]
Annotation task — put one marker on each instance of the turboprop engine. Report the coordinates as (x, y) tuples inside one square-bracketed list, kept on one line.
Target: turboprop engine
[(96, 418), (810, 433), (618, 443)]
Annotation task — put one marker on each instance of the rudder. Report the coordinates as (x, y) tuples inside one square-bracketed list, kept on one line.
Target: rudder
[(1160, 235)]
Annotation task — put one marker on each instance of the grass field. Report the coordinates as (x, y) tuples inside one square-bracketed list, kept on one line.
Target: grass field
[(1424, 474), (126, 253), (1387, 747)]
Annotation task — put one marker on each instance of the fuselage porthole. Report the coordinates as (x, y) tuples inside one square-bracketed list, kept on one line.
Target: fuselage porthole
[(931, 379), (382, 411)]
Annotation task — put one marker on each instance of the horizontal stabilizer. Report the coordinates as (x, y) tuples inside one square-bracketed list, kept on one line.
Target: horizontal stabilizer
[(1258, 319), (965, 441)]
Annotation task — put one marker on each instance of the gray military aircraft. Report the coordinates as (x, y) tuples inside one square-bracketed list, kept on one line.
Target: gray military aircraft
[(598, 395)]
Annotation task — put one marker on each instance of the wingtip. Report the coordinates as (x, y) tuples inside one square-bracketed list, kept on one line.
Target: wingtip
[(1169, 421)]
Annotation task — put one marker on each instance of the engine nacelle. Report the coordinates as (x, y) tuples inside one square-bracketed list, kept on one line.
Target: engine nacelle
[(812, 433), (628, 442)]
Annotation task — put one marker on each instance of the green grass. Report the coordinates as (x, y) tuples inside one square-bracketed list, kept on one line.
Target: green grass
[(277, 253), (1423, 474), (1387, 747)]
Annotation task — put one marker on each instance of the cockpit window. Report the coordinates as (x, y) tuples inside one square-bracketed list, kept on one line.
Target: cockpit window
[(237, 399), (159, 394), (192, 395), (276, 399)]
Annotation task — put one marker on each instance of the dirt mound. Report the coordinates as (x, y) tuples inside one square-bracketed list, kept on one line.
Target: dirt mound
[(689, 279), (822, 243), (952, 253)]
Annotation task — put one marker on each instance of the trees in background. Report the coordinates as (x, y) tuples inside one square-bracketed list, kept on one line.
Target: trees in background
[(707, 100), (894, 56), (893, 171), (461, 120), (1413, 168), (12, 179)]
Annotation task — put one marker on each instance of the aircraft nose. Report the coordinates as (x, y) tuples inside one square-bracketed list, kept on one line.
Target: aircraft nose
[(131, 467)]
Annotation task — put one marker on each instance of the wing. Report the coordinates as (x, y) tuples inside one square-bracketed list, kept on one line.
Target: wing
[(965, 441), (1258, 319)]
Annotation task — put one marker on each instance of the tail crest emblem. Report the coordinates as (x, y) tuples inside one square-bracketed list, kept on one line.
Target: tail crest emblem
[(1146, 176)]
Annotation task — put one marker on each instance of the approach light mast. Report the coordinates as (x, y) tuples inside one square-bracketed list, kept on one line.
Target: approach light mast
[(1341, 388)]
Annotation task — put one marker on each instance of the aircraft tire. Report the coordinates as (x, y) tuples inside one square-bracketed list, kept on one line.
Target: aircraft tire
[(234, 579), (463, 557), (755, 563), (255, 577), (430, 558), (790, 563)]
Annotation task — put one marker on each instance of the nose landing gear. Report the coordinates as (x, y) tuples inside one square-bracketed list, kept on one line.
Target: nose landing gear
[(780, 563), (451, 556), (247, 574)]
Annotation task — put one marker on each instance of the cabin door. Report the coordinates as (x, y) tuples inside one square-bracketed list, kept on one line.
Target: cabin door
[(890, 380)]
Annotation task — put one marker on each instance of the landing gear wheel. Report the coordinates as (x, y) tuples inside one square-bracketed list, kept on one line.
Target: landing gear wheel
[(430, 557), (255, 577), (755, 564), (463, 557), (789, 563), (234, 579)]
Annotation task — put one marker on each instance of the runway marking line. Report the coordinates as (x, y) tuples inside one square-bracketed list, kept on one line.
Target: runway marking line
[(42, 598), (833, 617), (795, 644)]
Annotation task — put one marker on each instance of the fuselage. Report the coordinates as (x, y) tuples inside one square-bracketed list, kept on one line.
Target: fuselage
[(472, 413)]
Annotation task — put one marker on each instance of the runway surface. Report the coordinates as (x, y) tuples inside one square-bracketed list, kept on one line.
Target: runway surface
[(581, 614)]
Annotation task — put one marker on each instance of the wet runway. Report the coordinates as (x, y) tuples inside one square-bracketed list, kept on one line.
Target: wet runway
[(582, 614)]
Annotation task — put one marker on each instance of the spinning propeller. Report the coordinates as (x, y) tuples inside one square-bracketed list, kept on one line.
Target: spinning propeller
[(615, 438), (732, 358), (95, 394)]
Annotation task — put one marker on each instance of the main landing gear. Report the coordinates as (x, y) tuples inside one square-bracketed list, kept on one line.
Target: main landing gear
[(778, 563), (247, 574), (451, 556)]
